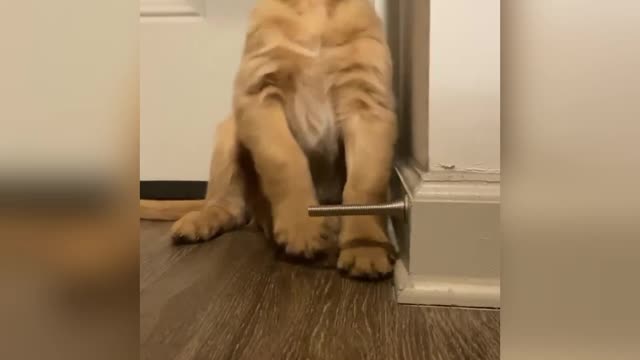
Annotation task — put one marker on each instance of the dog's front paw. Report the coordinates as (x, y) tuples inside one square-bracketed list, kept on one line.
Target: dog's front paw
[(302, 236), (373, 261), (198, 226)]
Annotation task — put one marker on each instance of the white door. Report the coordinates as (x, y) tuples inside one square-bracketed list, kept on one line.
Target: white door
[(189, 52)]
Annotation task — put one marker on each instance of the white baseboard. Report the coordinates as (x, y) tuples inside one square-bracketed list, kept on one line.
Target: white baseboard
[(421, 290), (450, 245)]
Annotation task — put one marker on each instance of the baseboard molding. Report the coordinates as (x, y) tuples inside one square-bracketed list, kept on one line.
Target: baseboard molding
[(450, 246), (467, 293), (172, 190)]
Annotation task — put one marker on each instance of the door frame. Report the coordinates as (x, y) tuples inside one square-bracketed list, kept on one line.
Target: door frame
[(450, 245)]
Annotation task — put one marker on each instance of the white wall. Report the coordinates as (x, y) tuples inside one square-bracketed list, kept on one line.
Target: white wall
[(464, 85)]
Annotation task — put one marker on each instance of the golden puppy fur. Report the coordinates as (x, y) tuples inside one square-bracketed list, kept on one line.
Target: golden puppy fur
[(313, 122)]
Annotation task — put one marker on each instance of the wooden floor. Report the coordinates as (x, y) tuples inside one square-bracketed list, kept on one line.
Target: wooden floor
[(232, 299)]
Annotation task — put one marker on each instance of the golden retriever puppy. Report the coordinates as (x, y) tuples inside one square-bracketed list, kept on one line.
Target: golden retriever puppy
[(312, 123)]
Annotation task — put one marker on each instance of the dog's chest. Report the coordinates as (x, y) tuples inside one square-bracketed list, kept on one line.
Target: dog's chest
[(310, 112)]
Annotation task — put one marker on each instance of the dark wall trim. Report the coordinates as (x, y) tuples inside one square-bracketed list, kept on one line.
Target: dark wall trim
[(173, 190)]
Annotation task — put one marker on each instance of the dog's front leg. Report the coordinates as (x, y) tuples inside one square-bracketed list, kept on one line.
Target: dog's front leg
[(284, 175)]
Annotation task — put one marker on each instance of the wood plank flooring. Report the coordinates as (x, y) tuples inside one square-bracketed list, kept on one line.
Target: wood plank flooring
[(232, 299)]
